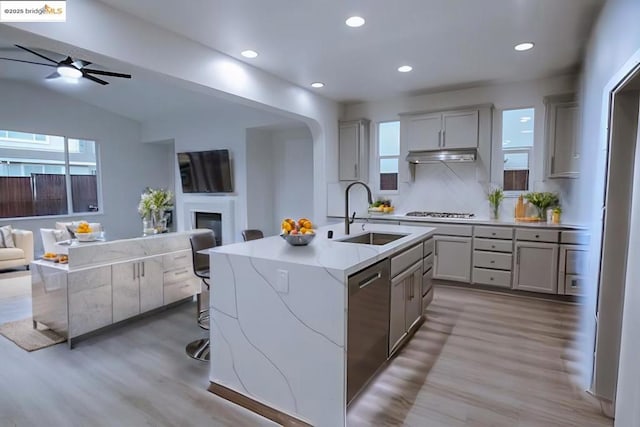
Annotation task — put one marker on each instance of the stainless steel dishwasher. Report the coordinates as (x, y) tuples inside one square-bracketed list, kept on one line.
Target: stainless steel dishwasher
[(368, 325)]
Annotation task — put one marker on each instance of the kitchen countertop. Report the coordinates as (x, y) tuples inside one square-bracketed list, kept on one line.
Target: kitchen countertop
[(510, 222), (330, 253)]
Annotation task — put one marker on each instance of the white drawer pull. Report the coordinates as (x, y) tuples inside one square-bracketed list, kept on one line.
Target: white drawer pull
[(493, 261)]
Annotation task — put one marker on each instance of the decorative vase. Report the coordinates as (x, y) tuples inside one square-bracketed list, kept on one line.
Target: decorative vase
[(494, 210), (159, 221), (542, 213), (147, 226)]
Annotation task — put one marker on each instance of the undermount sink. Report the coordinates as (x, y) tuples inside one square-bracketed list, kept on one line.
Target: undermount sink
[(373, 238)]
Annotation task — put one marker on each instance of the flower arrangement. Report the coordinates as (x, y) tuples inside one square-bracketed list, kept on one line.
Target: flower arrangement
[(543, 201), (495, 197), (155, 201)]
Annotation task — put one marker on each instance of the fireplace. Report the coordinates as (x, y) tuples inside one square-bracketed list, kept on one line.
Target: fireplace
[(212, 221)]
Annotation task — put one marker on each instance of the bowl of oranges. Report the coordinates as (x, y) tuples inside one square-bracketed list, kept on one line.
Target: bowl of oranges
[(297, 233), (84, 233)]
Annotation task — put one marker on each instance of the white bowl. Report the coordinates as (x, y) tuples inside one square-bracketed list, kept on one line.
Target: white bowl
[(87, 237)]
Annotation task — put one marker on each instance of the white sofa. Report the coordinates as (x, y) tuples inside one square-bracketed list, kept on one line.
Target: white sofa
[(22, 254)]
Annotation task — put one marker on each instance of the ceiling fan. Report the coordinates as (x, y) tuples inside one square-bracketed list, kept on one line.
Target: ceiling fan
[(71, 68)]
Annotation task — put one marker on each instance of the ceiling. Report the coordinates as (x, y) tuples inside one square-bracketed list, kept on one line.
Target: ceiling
[(145, 97), (449, 43)]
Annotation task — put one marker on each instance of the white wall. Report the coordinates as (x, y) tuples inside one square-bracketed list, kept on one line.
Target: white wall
[(127, 166), (440, 188), (613, 50), (280, 177)]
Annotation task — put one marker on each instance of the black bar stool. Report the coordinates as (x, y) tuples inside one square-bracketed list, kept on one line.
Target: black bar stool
[(199, 349), (252, 234)]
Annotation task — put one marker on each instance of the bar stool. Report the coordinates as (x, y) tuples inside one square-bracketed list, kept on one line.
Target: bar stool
[(199, 349), (252, 234)]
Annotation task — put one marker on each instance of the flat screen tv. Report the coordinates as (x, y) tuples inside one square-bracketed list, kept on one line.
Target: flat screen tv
[(205, 171)]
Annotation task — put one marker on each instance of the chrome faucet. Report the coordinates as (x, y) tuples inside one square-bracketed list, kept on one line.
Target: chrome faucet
[(348, 221)]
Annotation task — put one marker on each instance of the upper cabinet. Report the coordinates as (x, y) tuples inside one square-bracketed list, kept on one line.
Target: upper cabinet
[(354, 150), (561, 129), (451, 129)]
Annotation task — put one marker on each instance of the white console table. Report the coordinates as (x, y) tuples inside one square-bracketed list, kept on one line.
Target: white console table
[(108, 282)]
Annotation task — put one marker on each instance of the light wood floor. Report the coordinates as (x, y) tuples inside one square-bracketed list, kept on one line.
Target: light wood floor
[(479, 360), (484, 359)]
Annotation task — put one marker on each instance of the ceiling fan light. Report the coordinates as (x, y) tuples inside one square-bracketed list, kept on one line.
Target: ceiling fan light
[(69, 71)]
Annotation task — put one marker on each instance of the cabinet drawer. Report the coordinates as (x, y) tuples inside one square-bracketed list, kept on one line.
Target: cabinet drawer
[(176, 291), (492, 260), (178, 275), (550, 236), (574, 237), (492, 277), (575, 261), (407, 258), (176, 260), (427, 263), (493, 232), (573, 285), (427, 282), (493, 245), (427, 247)]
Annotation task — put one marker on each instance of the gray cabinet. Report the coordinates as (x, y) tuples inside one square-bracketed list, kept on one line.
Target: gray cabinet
[(452, 129), (561, 124), (178, 279), (90, 303), (452, 258), (492, 256), (536, 267), (353, 150), (405, 304), (137, 287), (571, 269)]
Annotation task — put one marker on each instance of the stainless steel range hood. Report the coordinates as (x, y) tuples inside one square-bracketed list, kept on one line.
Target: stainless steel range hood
[(454, 155)]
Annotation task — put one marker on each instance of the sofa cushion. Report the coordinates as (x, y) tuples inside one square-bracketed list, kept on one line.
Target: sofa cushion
[(7, 254), (6, 237)]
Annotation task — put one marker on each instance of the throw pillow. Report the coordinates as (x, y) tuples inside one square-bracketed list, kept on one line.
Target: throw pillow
[(6, 237)]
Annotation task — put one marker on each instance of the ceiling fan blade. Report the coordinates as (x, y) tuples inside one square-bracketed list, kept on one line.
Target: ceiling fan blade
[(94, 79), (79, 63), (107, 73), (36, 53), (28, 62), (53, 75)]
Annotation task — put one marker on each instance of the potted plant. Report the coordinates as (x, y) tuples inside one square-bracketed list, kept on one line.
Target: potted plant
[(495, 197), (153, 204), (542, 201)]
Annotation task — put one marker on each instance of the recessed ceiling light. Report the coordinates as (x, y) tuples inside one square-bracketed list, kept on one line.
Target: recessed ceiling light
[(523, 46), (355, 21), (317, 84), (405, 68), (249, 53)]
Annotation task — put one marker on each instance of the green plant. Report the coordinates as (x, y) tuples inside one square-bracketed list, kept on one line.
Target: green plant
[(154, 200), (496, 196), (557, 210), (542, 201)]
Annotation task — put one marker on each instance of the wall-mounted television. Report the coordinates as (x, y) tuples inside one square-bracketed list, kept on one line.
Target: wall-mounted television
[(205, 171)]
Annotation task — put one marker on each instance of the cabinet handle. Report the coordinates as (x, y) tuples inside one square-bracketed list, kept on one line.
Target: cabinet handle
[(553, 166), (537, 236), (134, 271), (493, 234), (492, 261), (143, 262), (518, 257), (439, 138), (574, 283), (435, 249), (493, 246), (491, 278), (444, 138), (370, 280), (355, 170)]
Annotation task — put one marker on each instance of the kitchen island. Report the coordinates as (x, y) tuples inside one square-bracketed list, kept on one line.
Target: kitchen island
[(280, 318)]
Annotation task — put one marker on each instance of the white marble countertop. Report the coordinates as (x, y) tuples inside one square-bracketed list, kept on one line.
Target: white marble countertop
[(330, 253), (507, 222)]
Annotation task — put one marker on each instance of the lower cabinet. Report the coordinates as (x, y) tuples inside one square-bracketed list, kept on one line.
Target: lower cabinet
[(405, 304), (536, 267), (178, 279), (452, 258), (90, 303), (137, 287)]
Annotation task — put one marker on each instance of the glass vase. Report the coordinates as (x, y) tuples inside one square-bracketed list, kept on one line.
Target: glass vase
[(159, 221), (542, 213), (147, 226), (494, 211)]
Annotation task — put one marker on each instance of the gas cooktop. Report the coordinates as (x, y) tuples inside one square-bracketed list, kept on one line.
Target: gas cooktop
[(441, 214)]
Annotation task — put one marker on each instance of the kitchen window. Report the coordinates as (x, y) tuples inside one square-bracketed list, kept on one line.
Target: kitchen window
[(44, 175), (388, 155), (517, 149)]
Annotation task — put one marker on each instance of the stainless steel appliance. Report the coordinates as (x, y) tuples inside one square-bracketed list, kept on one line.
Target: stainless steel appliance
[(367, 325), (441, 214)]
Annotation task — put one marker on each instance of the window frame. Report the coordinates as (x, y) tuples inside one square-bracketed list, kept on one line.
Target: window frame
[(529, 150), (67, 166), (379, 157)]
